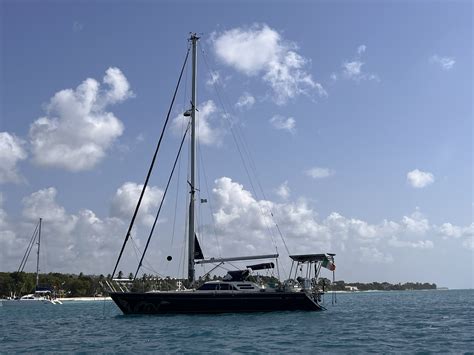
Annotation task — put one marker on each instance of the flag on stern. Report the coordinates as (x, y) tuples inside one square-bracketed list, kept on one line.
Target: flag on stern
[(328, 264)]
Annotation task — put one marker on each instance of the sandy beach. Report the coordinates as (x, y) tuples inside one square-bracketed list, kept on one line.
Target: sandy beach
[(81, 299)]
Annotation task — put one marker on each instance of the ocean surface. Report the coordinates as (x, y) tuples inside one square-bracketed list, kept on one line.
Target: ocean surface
[(376, 322)]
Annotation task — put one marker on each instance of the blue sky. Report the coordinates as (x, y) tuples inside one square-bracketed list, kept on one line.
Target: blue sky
[(358, 116)]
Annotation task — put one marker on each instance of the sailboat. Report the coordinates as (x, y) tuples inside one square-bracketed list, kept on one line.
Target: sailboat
[(41, 295), (238, 291)]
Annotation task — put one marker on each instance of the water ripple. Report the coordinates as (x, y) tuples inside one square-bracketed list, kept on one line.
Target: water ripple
[(381, 322)]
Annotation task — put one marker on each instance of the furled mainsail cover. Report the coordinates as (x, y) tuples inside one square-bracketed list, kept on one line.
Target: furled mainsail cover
[(262, 266)]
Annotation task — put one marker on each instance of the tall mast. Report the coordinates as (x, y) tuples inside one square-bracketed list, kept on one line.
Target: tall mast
[(194, 38), (38, 255)]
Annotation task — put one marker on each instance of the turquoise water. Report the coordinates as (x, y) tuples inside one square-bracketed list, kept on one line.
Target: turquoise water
[(379, 322)]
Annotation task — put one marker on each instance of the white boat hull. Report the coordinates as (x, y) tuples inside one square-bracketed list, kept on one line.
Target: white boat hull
[(29, 302)]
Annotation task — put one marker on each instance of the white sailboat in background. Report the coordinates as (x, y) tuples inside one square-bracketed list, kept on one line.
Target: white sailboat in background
[(41, 295)]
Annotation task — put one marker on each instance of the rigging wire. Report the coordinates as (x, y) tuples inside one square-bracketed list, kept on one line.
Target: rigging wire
[(186, 215), (182, 257), (240, 136), (198, 171), (277, 267), (137, 250), (162, 200), (152, 163), (210, 205), (176, 202), (26, 256), (236, 136), (255, 172), (183, 127), (28, 249), (226, 115), (152, 269), (198, 168)]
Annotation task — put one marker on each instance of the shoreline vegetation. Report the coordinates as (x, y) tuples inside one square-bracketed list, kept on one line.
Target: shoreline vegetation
[(86, 286)]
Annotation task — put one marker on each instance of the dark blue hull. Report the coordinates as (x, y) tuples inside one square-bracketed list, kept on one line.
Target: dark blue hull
[(213, 302)]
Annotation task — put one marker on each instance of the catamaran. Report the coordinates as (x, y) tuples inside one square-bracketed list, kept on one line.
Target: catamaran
[(239, 290)]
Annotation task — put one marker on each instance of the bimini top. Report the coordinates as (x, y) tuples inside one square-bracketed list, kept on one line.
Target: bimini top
[(312, 257)]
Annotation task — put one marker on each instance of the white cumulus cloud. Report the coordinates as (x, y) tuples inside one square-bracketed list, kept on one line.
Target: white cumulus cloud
[(11, 152), (119, 87), (214, 77), (245, 101), (72, 242), (283, 190), (446, 63), (9, 241), (319, 173), (261, 50), (208, 130), (83, 241), (416, 223), (77, 130), (448, 230), (282, 123), (363, 232), (352, 69), (419, 179), (245, 222), (420, 244), (42, 203), (75, 242), (125, 201)]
